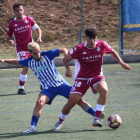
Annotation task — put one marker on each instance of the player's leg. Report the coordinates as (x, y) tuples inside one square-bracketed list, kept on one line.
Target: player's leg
[(72, 101), (74, 97), (23, 76), (46, 96), (102, 89), (88, 108), (41, 101), (22, 80)]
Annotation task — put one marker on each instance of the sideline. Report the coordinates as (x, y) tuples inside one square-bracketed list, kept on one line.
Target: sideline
[(107, 59)]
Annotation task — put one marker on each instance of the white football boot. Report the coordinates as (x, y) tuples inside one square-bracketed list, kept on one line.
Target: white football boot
[(96, 122), (31, 129), (57, 126)]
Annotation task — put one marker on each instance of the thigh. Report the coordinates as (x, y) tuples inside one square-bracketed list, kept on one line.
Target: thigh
[(50, 95), (97, 83), (101, 87), (64, 90), (43, 98), (74, 98), (80, 86)]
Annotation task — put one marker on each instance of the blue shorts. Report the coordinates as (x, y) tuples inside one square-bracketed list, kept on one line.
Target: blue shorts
[(52, 92)]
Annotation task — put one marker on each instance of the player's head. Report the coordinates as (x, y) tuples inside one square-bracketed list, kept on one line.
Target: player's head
[(91, 33), (34, 50), (18, 10), (91, 36)]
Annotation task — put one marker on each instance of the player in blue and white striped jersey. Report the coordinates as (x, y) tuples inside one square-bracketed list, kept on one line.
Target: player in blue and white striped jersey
[(44, 68), (42, 65)]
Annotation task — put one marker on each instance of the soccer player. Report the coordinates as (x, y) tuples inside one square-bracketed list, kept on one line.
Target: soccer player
[(88, 74), (42, 65), (21, 29)]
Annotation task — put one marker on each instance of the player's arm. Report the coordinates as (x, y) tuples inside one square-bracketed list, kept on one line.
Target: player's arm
[(67, 57), (10, 61), (118, 58), (66, 63), (9, 35), (39, 34)]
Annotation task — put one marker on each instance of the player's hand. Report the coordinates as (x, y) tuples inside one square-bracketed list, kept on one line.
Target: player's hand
[(11, 42), (67, 58), (68, 73), (125, 66), (39, 40), (1, 60)]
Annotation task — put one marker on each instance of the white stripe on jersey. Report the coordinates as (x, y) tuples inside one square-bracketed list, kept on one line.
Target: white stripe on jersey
[(34, 27), (44, 70)]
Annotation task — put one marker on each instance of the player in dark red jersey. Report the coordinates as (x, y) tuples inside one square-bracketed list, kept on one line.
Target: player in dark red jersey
[(88, 73), (21, 29)]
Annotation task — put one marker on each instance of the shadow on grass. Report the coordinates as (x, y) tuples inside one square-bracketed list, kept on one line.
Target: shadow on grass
[(20, 134), (13, 94), (135, 85)]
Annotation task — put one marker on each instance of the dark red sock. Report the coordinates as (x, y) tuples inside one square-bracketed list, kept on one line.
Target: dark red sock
[(21, 83), (61, 120), (98, 113)]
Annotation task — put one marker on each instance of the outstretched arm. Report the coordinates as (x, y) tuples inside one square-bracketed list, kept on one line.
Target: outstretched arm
[(10, 61), (117, 57), (66, 63)]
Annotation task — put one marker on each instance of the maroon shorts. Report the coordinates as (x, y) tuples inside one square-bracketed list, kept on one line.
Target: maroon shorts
[(23, 55), (81, 85)]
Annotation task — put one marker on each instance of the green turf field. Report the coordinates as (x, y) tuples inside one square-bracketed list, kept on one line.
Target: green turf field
[(123, 99)]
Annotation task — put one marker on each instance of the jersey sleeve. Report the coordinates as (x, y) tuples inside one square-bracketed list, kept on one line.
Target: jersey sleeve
[(9, 30), (24, 62), (51, 54), (74, 52), (33, 24), (108, 48)]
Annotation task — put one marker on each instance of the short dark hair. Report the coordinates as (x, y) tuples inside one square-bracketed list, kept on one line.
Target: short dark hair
[(91, 32), (16, 5)]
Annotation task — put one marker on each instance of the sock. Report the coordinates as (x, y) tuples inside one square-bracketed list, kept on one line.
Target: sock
[(62, 117), (34, 120), (99, 110), (22, 80), (91, 111)]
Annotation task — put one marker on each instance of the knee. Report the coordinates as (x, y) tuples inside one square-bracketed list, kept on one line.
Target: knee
[(104, 92), (80, 102), (40, 103)]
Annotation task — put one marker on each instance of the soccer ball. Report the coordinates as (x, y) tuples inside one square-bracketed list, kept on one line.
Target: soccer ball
[(114, 121)]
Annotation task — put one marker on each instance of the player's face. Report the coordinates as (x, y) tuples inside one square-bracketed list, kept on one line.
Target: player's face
[(90, 42), (19, 12), (36, 54)]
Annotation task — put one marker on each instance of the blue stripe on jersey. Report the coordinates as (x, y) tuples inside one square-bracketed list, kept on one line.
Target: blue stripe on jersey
[(45, 69)]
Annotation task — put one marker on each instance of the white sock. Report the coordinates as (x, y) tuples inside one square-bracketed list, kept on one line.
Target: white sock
[(62, 116), (99, 110), (100, 107), (22, 78)]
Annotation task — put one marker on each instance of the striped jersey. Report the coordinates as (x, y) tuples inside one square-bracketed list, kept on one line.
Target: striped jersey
[(45, 69)]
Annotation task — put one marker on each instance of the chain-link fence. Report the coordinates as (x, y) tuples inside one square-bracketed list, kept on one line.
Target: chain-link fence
[(60, 21)]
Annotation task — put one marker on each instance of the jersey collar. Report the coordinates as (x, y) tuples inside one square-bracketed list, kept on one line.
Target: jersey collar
[(85, 45), (15, 19)]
